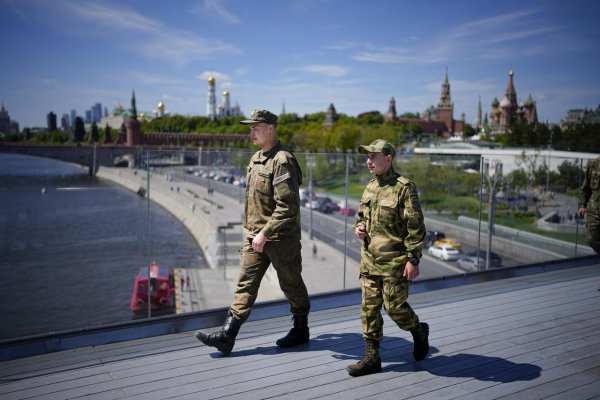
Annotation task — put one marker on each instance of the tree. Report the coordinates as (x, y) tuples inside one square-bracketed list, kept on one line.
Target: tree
[(107, 135), (569, 174), (94, 135), (78, 130), (468, 131)]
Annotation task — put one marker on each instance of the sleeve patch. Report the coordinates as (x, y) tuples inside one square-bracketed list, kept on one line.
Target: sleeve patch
[(281, 178)]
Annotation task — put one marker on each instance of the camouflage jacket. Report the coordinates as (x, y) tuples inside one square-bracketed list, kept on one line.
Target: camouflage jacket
[(272, 196), (589, 196), (390, 211)]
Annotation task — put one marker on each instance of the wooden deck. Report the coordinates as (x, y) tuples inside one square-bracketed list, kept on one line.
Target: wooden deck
[(529, 337)]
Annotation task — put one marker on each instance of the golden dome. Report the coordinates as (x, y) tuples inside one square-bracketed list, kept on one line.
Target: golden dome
[(211, 80), (161, 105), (225, 93)]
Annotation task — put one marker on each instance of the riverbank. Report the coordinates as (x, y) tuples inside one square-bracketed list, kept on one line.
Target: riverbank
[(202, 214)]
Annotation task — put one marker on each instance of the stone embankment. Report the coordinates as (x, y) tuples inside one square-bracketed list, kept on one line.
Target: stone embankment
[(202, 214), (206, 216)]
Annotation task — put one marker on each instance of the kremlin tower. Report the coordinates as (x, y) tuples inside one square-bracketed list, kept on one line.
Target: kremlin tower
[(224, 109), (211, 105)]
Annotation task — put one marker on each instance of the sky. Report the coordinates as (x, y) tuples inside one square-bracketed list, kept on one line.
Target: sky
[(300, 55)]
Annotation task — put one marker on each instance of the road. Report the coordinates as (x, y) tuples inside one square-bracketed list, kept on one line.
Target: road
[(328, 228)]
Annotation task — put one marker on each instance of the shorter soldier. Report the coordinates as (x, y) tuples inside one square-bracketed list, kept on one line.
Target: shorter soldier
[(391, 227), (589, 201), (271, 236)]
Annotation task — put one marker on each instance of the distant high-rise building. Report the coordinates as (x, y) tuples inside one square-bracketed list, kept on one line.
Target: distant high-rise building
[(5, 126), (96, 112), (51, 121), (73, 116), (64, 121), (88, 116)]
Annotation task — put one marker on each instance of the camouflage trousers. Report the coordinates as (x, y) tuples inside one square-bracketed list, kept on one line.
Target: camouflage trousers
[(593, 231), (391, 292), (287, 261)]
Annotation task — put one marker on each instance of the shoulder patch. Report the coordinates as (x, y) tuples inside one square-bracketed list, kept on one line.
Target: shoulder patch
[(281, 178)]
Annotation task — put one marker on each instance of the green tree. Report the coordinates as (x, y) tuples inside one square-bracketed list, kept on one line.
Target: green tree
[(468, 131), (78, 130), (94, 134), (107, 134)]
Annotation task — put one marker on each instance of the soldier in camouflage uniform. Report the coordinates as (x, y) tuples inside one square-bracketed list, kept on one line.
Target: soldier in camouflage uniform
[(589, 201), (271, 236), (391, 227)]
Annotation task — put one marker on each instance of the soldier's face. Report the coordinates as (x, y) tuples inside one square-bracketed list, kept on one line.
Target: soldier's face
[(260, 134), (378, 163)]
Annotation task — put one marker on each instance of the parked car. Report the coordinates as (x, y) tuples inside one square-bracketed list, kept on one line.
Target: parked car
[(445, 253), (449, 242), (349, 210)]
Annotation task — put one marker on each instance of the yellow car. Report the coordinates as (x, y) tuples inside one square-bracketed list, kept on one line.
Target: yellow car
[(448, 242)]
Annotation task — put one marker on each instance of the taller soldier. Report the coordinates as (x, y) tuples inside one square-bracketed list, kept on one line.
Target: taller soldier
[(392, 230), (271, 236), (589, 202)]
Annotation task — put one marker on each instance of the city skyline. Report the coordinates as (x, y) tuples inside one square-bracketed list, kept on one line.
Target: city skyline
[(303, 55)]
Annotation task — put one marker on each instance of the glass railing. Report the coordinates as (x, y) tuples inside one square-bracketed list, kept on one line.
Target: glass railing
[(158, 232)]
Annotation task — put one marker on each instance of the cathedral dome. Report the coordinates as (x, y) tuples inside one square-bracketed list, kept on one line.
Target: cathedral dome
[(225, 93), (161, 105), (505, 103), (495, 103), (211, 80)]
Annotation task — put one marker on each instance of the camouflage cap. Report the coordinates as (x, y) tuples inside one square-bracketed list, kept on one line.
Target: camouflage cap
[(378, 146), (261, 116)]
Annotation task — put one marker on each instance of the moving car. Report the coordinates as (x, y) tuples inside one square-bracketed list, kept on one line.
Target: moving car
[(445, 253), (469, 261), (448, 242), (350, 211), (432, 236)]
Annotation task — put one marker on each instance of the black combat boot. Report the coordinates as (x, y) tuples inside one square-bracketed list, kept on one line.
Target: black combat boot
[(370, 364), (224, 339), (297, 335), (421, 341)]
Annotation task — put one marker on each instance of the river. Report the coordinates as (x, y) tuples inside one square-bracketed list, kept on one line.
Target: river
[(71, 245)]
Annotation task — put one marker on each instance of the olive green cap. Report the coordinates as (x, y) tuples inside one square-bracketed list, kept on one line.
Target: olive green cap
[(378, 146), (261, 116)]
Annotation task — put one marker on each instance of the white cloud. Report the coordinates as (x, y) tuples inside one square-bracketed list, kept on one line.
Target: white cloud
[(508, 35), (148, 37), (216, 8), (332, 71)]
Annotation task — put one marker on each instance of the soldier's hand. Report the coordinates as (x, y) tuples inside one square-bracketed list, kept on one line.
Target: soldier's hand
[(411, 271), (581, 212), (360, 232), (258, 243)]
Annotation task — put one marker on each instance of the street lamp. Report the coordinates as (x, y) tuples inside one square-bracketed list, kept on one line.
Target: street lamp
[(492, 182)]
